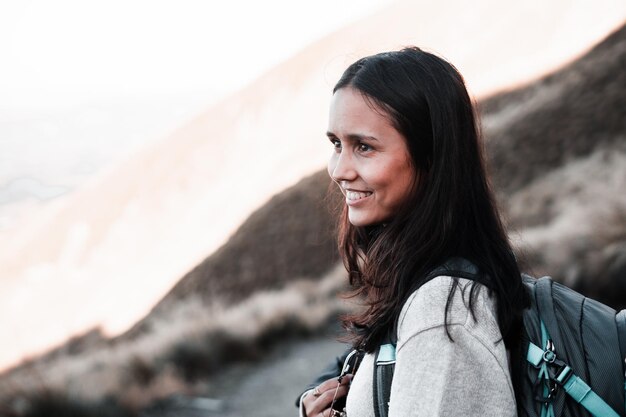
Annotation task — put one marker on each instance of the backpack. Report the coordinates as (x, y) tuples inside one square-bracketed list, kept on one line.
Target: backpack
[(570, 360)]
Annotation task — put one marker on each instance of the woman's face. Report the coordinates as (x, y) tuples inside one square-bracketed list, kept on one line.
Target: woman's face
[(370, 160)]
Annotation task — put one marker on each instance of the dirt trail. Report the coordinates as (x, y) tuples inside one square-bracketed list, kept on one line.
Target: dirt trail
[(264, 389), (270, 388)]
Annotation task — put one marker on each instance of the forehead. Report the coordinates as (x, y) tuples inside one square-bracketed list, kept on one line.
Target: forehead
[(351, 110)]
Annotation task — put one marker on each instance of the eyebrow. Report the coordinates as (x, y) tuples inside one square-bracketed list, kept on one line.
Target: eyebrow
[(353, 136)]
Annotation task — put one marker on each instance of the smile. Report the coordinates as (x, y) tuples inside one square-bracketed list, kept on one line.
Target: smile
[(354, 196)]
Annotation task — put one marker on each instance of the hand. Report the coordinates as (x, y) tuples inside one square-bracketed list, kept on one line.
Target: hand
[(317, 402)]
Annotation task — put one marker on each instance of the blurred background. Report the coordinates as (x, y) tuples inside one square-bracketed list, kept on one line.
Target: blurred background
[(166, 244)]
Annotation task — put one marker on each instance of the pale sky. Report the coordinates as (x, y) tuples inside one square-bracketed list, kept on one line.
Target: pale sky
[(71, 51)]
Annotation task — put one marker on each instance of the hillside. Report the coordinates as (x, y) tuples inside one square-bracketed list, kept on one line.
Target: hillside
[(557, 149), (559, 118), (546, 129), (114, 247), (290, 237)]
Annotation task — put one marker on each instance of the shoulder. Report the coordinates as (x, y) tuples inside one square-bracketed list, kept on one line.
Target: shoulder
[(426, 309), (429, 361)]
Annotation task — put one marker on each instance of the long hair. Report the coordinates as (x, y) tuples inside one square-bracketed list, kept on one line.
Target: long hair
[(450, 213)]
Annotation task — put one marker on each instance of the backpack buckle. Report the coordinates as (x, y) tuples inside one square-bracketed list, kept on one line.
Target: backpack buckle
[(546, 397), (563, 374), (549, 355)]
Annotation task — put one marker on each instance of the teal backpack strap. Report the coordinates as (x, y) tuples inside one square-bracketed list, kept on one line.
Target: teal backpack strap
[(564, 376), (386, 354), (383, 374), (549, 388)]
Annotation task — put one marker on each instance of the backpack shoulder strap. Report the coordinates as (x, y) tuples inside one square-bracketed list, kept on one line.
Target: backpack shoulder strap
[(461, 268), (384, 365), (620, 321), (572, 383)]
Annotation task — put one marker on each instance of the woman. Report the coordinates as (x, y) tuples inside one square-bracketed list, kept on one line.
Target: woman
[(407, 157)]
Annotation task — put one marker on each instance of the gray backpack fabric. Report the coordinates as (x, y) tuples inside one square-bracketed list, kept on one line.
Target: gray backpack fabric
[(570, 361), (584, 335)]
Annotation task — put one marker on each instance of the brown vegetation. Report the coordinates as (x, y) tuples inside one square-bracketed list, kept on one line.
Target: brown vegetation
[(290, 237), (557, 149), (180, 353)]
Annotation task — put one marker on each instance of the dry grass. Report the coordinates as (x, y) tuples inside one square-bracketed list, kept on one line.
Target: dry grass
[(558, 151), (183, 350), (572, 216)]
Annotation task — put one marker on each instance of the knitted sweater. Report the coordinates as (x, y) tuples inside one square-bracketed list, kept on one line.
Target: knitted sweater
[(435, 377)]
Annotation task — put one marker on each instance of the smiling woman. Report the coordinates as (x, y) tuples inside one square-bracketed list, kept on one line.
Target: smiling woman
[(422, 240), (371, 163)]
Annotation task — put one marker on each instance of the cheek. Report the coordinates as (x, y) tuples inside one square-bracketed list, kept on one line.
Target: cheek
[(385, 178), (398, 187)]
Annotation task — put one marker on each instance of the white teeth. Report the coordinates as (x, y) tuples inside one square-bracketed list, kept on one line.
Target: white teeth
[(356, 195)]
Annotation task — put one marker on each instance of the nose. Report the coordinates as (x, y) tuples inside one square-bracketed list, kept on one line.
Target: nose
[(341, 167)]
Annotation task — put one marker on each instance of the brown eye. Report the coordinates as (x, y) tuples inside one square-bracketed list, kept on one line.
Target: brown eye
[(364, 147)]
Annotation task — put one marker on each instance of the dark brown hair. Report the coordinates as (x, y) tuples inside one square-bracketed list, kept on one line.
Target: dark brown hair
[(451, 213)]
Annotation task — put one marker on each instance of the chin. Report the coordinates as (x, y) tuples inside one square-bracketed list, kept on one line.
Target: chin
[(357, 222), (361, 221)]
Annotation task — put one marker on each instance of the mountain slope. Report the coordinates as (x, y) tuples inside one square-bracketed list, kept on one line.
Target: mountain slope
[(112, 249), (542, 176), (559, 118), (557, 148), (290, 237), (569, 219)]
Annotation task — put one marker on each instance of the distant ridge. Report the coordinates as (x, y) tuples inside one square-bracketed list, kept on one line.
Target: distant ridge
[(560, 117)]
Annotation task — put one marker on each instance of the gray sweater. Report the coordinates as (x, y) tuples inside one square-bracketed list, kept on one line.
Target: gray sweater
[(436, 377)]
